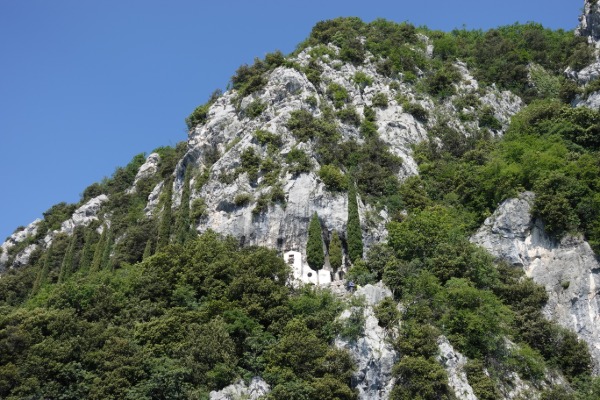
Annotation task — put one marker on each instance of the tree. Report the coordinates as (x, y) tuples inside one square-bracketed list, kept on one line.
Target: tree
[(164, 230), (314, 248), (355, 244), (335, 251), (183, 216), (97, 260)]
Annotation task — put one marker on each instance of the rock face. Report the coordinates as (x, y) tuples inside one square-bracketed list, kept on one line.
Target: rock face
[(454, 364), (568, 269), (589, 22), (148, 168), (240, 391), (373, 353), (83, 216), (229, 132), (18, 237)]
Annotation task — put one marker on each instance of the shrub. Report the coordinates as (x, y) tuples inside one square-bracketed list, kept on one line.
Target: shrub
[(198, 208), (380, 100), (255, 108), (362, 80), (242, 199), (268, 138), (416, 110), (250, 163), (333, 178), (337, 94), (312, 101), (349, 115), (298, 162)]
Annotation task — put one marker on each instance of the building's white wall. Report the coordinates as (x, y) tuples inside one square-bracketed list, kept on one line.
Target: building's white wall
[(303, 272)]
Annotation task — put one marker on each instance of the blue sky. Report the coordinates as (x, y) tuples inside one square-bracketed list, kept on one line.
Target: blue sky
[(85, 85)]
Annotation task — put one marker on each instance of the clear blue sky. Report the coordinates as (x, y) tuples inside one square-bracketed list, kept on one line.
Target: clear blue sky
[(85, 85)]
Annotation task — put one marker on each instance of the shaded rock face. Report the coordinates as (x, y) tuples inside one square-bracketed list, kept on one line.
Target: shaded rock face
[(238, 391), (589, 22), (568, 269), (373, 353), (283, 225)]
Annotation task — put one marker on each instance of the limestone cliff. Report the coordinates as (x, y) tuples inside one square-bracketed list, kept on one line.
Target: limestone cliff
[(568, 269)]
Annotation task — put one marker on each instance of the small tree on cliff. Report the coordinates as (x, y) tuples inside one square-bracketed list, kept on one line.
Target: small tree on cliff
[(314, 247), (355, 243)]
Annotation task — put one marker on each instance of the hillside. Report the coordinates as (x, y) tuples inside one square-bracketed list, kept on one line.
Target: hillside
[(452, 177)]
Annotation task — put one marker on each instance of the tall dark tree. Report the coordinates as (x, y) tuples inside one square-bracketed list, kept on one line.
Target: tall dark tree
[(99, 252), (354, 233), (164, 230), (183, 224), (335, 251), (314, 247)]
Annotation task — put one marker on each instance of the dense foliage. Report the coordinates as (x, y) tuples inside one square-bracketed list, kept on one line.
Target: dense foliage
[(141, 307)]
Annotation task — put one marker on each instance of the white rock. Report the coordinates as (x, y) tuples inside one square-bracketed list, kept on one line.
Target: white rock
[(454, 364), (84, 214), (569, 269), (373, 353), (16, 238), (240, 391), (148, 169)]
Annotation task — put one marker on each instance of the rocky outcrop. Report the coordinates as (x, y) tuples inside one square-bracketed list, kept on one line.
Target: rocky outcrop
[(16, 238), (146, 170), (568, 269), (589, 22), (240, 391), (373, 353), (229, 131), (84, 215), (454, 364)]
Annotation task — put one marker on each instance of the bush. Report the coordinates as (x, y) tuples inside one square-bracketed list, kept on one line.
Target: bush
[(362, 80), (268, 138), (242, 199), (333, 178), (380, 100), (337, 94), (349, 115), (416, 110), (255, 108), (298, 162)]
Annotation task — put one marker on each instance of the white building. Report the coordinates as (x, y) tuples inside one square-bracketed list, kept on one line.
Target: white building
[(303, 273)]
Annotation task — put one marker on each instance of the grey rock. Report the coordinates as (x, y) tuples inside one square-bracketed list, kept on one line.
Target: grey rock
[(373, 353), (454, 364), (14, 239), (240, 391), (84, 215), (589, 22), (568, 269), (148, 169), (229, 131)]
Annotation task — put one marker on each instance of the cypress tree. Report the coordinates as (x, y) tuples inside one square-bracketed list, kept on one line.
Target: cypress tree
[(335, 251), (164, 230), (314, 247), (354, 233), (97, 261), (183, 216), (87, 255), (42, 275), (67, 262), (107, 250), (147, 249)]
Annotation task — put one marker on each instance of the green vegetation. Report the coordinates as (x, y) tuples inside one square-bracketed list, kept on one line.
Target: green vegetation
[(148, 309), (354, 233), (314, 247), (335, 251)]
